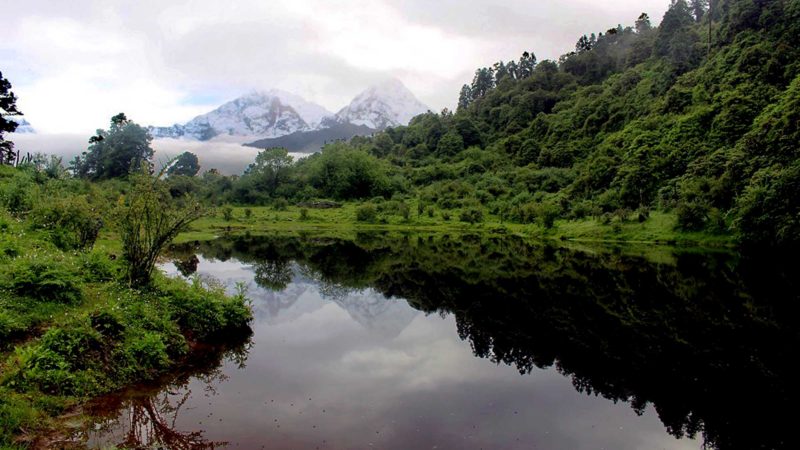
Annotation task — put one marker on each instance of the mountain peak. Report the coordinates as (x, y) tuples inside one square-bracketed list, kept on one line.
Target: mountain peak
[(266, 114), (386, 104)]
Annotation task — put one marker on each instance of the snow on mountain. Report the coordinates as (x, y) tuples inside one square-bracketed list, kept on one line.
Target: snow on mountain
[(268, 114), (384, 105), (311, 113), (23, 126)]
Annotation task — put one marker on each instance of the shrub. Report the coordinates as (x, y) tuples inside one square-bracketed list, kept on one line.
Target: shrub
[(280, 204), (72, 222), (366, 213), (248, 213), (98, 267), (547, 213), (17, 195), (149, 353), (149, 219), (304, 214), (227, 213), (405, 211), (692, 215), (643, 213), (58, 363), (45, 279), (203, 311), (471, 215)]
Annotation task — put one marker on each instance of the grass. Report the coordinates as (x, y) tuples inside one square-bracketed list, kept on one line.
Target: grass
[(659, 228)]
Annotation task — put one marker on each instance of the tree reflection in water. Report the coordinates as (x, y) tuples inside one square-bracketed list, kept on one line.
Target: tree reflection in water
[(708, 338), (147, 417)]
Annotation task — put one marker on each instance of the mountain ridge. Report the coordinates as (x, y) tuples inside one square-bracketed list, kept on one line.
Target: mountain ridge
[(270, 117)]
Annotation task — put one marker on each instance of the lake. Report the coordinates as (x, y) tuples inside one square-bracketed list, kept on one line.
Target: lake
[(385, 340)]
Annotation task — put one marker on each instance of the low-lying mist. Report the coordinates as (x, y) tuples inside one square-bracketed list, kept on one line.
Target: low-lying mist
[(227, 157)]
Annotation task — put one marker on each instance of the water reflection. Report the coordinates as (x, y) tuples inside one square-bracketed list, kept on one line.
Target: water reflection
[(703, 342), (147, 416)]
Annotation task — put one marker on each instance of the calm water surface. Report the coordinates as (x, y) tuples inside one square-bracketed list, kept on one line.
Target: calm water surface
[(464, 342)]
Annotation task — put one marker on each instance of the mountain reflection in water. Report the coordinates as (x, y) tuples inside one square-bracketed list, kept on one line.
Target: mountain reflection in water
[(354, 345)]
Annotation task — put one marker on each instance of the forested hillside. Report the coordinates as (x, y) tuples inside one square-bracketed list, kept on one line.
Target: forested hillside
[(697, 116)]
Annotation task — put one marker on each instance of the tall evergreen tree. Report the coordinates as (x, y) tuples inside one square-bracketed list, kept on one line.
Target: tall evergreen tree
[(699, 8), (500, 71), (464, 97), (677, 18), (8, 107), (583, 44), (527, 63), (643, 24), (482, 83), (513, 70)]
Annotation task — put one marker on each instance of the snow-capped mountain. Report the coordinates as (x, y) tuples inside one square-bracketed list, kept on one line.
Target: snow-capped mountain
[(384, 105), (23, 126), (268, 114), (269, 118)]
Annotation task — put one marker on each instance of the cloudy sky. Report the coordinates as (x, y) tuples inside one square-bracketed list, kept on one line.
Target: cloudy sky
[(74, 64)]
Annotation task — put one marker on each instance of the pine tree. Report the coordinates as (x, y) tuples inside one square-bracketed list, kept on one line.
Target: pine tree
[(513, 70), (583, 44), (527, 63), (676, 19), (8, 107), (464, 98), (699, 8), (643, 24), (482, 83), (500, 72)]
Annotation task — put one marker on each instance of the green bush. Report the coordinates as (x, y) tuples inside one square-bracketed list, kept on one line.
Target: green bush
[(17, 194), (366, 213), (98, 267), (304, 214), (248, 213), (227, 213), (44, 278), (149, 353), (692, 215), (471, 215), (547, 213), (71, 222), (280, 204), (66, 361), (205, 311)]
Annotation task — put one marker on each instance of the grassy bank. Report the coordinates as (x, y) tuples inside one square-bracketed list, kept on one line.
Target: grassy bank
[(71, 329), (657, 228)]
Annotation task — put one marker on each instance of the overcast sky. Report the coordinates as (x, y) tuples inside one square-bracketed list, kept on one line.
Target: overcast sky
[(74, 64)]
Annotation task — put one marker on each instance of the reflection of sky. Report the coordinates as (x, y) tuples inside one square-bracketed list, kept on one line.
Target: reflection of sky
[(319, 377)]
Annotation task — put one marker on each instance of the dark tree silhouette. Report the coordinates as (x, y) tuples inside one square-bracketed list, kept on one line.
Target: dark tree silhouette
[(8, 107)]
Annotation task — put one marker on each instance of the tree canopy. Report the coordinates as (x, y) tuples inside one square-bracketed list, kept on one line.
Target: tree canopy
[(186, 164), (115, 152)]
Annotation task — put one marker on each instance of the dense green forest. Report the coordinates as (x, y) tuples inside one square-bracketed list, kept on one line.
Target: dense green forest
[(697, 117)]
